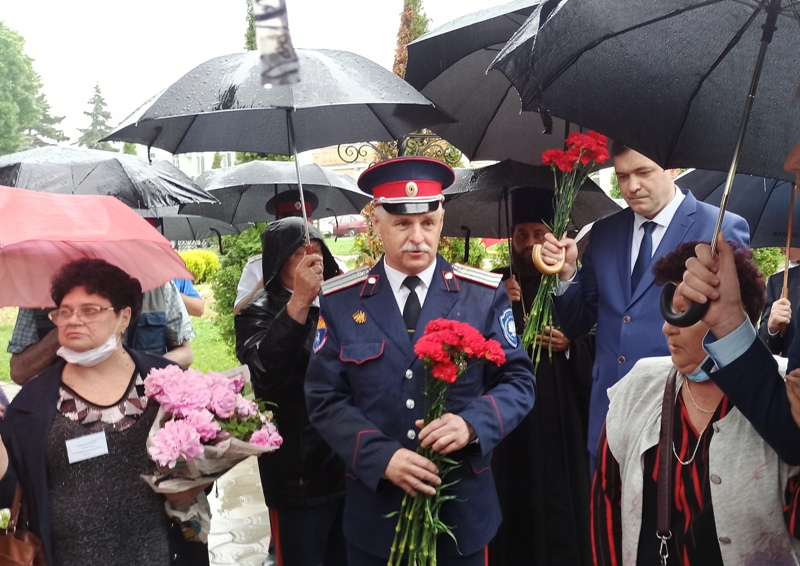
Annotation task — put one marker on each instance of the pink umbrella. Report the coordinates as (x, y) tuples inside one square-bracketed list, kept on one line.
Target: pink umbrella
[(40, 232)]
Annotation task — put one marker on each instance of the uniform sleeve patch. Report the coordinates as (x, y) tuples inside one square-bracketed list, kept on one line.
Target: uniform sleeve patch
[(509, 328), (321, 335)]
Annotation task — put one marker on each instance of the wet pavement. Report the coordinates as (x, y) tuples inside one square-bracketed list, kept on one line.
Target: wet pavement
[(239, 518)]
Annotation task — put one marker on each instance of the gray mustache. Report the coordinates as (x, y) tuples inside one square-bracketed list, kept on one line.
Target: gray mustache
[(418, 248)]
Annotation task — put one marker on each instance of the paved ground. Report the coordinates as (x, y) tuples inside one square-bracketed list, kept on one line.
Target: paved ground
[(239, 521)]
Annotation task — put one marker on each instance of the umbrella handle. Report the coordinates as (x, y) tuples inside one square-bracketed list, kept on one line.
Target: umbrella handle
[(691, 316), (546, 268)]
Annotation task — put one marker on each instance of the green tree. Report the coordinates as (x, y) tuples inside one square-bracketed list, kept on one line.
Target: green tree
[(129, 148), (238, 249), (19, 85), (46, 130), (250, 32), (768, 260), (217, 162), (98, 126)]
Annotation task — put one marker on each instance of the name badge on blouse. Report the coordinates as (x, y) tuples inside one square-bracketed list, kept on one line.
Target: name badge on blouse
[(87, 447)]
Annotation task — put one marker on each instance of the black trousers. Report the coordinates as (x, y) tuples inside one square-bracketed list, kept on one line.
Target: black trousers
[(357, 557), (309, 536)]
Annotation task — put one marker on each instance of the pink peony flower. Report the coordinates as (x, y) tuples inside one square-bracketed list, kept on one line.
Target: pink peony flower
[(175, 440), (267, 436), (155, 380), (180, 396), (204, 423), (245, 408), (238, 383), (222, 400)]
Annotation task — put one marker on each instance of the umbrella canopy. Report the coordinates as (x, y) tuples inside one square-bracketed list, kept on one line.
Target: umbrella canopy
[(680, 99), (41, 232), (448, 66), (221, 105), (478, 199), (175, 226), (243, 190), (763, 202), (66, 170)]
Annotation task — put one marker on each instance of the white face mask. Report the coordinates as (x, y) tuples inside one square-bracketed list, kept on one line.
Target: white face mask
[(91, 357)]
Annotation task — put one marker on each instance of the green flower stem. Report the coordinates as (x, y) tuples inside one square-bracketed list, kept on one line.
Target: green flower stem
[(418, 524), (541, 313)]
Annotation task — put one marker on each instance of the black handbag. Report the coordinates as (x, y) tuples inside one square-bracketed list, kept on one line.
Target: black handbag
[(18, 545)]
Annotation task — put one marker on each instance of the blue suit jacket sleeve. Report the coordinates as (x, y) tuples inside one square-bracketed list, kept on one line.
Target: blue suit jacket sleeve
[(754, 385)]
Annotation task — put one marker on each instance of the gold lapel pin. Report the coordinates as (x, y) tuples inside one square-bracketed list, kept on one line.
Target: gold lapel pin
[(360, 317)]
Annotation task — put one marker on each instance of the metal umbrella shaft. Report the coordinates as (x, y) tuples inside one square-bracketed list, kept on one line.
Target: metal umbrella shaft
[(293, 147), (696, 311)]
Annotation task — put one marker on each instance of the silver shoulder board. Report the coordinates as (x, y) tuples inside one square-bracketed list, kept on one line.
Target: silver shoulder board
[(345, 280), (477, 275)]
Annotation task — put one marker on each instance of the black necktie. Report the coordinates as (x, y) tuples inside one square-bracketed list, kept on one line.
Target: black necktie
[(412, 307), (645, 253)]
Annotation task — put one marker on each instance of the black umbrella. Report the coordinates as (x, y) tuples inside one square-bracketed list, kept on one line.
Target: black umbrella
[(478, 205), (244, 189), (687, 82), (175, 226), (668, 78), (132, 180), (448, 66), (221, 105), (763, 202)]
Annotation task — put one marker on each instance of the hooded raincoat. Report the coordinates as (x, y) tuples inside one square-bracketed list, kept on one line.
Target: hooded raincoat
[(304, 472)]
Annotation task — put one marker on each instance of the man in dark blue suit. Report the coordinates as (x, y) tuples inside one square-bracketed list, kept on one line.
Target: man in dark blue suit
[(615, 288), (777, 327), (364, 385)]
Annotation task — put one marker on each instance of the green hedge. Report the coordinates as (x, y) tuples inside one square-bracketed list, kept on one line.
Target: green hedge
[(204, 264)]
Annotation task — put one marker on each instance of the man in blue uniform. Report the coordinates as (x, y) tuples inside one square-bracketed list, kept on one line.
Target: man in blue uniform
[(364, 383)]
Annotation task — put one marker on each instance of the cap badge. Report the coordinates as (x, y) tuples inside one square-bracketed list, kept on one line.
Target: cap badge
[(411, 189), (297, 205), (360, 317)]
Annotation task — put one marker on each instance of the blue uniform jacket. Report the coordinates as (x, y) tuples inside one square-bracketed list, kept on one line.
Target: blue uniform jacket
[(628, 321), (364, 391)]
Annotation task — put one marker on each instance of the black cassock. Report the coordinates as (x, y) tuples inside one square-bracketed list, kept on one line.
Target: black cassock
[(541, 468)]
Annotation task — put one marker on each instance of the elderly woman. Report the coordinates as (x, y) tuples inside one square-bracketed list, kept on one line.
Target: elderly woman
[(733, 500), (75, 435)]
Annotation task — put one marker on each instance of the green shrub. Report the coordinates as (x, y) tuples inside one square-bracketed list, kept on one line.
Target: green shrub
[(237, 249), (203, 264), (768, 260)]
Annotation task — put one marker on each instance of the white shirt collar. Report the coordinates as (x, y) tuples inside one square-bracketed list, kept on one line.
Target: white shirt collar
[(664, 217), (396, 278)]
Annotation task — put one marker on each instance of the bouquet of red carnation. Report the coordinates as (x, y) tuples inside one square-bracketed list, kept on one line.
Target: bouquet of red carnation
[(570, 168), (446, 348), (206, 424)]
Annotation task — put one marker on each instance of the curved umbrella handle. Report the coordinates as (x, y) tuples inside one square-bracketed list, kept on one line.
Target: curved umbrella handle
[(546, 268), (691, 316)]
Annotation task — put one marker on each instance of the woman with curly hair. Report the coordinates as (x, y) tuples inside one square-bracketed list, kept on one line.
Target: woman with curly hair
[(74, 436), (733, 501)]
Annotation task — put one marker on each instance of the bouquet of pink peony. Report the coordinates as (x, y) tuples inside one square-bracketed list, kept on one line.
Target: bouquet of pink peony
[(206, 424)]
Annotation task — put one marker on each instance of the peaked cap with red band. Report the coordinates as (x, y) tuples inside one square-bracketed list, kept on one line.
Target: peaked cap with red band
[(286, 204), (407, 185)]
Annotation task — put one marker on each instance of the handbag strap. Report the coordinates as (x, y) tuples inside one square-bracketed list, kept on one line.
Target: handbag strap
[(15, 506), (664, 497)]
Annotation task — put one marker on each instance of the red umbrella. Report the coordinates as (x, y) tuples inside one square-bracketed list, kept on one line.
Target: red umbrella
[(40, 232)]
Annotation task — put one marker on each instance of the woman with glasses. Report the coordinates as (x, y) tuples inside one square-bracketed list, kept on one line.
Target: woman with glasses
[(75, 436)]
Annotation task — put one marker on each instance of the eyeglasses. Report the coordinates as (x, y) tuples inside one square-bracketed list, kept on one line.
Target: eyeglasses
[(86, 313)]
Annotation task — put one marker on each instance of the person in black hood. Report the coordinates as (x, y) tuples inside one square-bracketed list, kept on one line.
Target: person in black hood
[(303, 482)]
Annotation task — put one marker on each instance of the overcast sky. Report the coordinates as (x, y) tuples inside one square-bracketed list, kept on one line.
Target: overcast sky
[(136, 48)]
